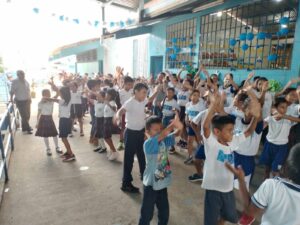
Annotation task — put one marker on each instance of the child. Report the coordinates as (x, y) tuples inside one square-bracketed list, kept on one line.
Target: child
[(65, 122), (45, 125), (219, 143), (134, 133), (168, 106), (110, 109), (157, 175), (230, 88), (193, 108), (276, 199), (276, 145), (99, 114), (76, 107), (125, 94)]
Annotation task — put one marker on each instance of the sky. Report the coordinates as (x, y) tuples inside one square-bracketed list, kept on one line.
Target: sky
[(27, 38)]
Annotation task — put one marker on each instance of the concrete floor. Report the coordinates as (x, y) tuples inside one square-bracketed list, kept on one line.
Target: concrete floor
[(45, 191)]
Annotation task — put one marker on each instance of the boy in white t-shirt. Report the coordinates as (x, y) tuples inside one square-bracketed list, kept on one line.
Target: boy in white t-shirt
[(125, 94), (219, 144), (276, 199)]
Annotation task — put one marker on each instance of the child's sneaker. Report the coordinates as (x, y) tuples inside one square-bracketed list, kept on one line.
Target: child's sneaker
[(49, 153), (97, 149), (246, 220), (195, 177), (58, 150), (188, 160), (172, 150), (120, 146), (102, 150), (113, 156), (71, 135), (69, 158), (64, 155), (129, 188)]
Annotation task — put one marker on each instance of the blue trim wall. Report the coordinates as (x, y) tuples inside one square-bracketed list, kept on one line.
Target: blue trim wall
[(157, 45)]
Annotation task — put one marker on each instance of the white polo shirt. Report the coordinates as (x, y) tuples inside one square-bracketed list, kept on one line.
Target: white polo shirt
[(21, 90), (125, 95), (280, 201), (63, 109), (135, 116), (45, 107)]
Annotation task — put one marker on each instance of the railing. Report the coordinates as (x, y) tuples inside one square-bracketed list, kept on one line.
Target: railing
[(8, 125)]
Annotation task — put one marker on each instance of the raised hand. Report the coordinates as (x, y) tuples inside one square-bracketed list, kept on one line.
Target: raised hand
[(265, 86), (295, 81), (238, 172), (176, 122), (250, 75)]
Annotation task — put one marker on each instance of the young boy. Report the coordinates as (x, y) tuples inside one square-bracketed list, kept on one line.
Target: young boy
[(134, 133), (219, 144), (125, 94), (157, 176), (277, 199)]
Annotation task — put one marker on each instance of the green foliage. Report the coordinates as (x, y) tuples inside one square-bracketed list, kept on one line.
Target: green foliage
[(274, 85)]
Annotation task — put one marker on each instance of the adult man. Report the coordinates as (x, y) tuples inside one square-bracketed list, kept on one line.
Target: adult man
[(21, 90)]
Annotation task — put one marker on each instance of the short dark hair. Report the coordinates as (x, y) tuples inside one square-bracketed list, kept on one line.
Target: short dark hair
[(195, 91), (44, 91), (289, 90), (171, 89), (102, 93), (262, 79), (279, 100), (191, 82), (242, 97), (293, 164), (219, 122), (152, 120), (139, 86), (92, 83), (112, 92), (256, 78), (128, 79), (230, 74)]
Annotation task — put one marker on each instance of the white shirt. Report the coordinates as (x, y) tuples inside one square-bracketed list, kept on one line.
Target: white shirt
[(108, 112), (20, 89), (229, 94), (125, 95), (280, 200), (251, 144), (279, 130), (293, 110), (135, 116), (215, 175), (192, 110), (63, 109), (234, 111), (266, 109), (200, 118), (46, 108), (168, 106), (99, 109), (75, 98), (183, 97)]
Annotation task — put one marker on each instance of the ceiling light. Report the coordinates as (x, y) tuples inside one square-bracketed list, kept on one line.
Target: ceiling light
[(209, 5), (284, 25), (219, 14)]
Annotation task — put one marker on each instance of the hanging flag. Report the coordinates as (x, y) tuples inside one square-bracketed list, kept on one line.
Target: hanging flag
[(96, 23), (36, 10), (61, 18)]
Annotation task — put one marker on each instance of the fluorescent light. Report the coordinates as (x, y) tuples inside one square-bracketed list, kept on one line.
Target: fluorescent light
[(132, 27), (219, 14), (209, 5), (284, 25)]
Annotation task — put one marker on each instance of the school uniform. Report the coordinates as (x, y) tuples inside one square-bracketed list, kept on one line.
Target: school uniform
[(230, 92), (76, 105), (46, 126), (134, 135), (99, 114), (124, 96), (294, 137), (182, 100), (108, 117), (167, 111), (245, 154), (198, 120), (192, 110), (218, 181), (65, 122), (276, 146)]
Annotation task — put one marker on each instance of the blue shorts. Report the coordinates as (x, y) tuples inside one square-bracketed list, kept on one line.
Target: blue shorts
[(190, 131), (64, 127), (273, 155), (200, 154), (166, 120), (247, 163)]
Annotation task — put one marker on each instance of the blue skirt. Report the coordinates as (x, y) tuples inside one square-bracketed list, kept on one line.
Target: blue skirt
[(65, 127)]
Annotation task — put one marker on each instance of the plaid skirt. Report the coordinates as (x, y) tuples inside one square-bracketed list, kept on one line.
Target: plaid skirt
[(46, 127)]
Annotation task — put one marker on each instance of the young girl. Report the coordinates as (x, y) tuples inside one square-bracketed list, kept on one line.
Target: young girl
[(193, 108), (65, 122), (110, 109), (230, 88), (99, 114), (276, 145), (45, 124), (76, 106), (169, 104)]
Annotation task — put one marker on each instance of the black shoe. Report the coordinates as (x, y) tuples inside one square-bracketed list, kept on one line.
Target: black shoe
[(97, 149), (102, 150), (129, 188), (172, 150), (29, 132)]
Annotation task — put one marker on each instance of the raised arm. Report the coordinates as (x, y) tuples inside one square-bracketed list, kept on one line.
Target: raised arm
[(214, 101), (290, 83), (175, 124)]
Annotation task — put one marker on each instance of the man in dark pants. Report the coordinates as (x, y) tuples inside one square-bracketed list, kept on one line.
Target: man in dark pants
[(20, 88)]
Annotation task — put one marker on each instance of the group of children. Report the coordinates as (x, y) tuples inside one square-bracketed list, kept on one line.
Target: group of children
[(227, 122)]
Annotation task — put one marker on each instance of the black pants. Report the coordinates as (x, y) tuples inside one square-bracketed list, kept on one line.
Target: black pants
[(24, 110), (134, 141), (150, 199)]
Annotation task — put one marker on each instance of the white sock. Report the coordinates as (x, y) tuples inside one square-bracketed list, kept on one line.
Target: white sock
[(46, 140), (55, 139), (101, 143)]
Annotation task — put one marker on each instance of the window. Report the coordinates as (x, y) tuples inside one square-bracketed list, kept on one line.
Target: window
[(255, 36), (181, 44)]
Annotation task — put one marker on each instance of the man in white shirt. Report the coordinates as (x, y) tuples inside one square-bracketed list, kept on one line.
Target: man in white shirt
[(20, 88), (277, 199)]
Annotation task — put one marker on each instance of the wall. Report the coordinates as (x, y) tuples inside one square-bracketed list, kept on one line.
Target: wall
[(157, 45)]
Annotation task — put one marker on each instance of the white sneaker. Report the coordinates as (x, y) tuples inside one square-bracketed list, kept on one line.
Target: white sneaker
[(113, 156), (49, 153), (108, 154)]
